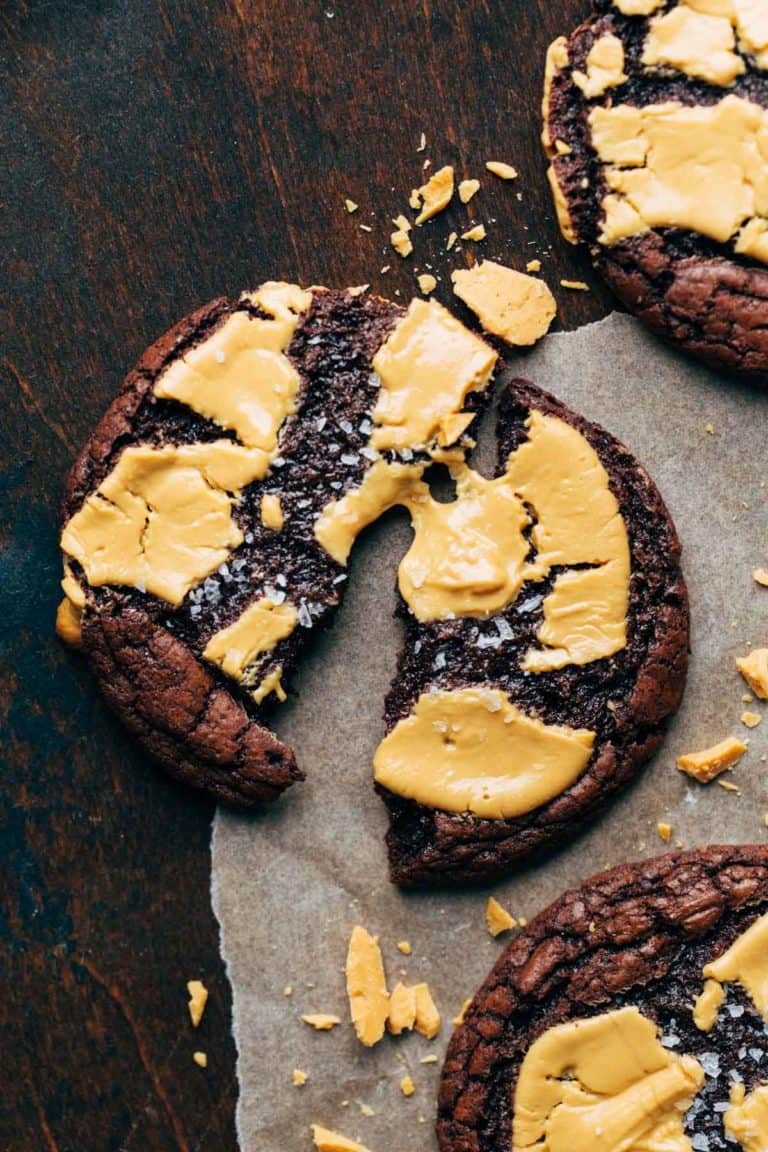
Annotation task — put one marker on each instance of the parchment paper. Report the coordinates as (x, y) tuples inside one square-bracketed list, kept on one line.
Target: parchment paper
[(289, 885)]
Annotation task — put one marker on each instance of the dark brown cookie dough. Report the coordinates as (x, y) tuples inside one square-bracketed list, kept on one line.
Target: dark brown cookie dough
[(638, 935), (699, 293), (625, 699)]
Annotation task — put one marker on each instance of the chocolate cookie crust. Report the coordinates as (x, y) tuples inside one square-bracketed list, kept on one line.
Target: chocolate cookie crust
[(636, 935), (701, 295), (625, 699)]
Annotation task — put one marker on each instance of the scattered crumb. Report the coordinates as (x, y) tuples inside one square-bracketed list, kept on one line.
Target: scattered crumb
[(198, 998), (575, 285), (562, 148), (467, 189), (709, 429), (509, 304), (401, 243), (427, 283), (414, 199), (533, 266), (426, 164), (705, 766), (665, 831), (747, 698), (201, 1059), (404, 947), (299, 1078), (760, 576), (366, 228), (422, 143), (321, 1021), (497, 918), (427, 1015), (730, 787), (433, 1059), (451, 241), (366, 986), (459, 1019), (402, 1009), (502, 170), (765, 819), (288, 990), (523, 921), (351, 206), (754, 669), (436, 194), (750, 719), (367, 1111), (327, 1141), (402, 222), (407, 1086), (476, 233)]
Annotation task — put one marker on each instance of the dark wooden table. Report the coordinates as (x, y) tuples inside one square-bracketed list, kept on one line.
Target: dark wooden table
[(157, 153)]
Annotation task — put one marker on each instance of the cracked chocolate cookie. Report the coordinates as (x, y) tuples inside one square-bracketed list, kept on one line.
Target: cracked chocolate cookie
[(207, 528), (655, 122), (630, 1014)]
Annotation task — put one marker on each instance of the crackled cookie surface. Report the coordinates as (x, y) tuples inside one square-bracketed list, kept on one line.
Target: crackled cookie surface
[(656, 126), (206, 534), (630, 1014)]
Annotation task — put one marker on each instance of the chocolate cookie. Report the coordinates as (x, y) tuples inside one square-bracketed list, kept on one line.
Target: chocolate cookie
[(623, 696), (630, 1014), (655, 116), (207, 528)]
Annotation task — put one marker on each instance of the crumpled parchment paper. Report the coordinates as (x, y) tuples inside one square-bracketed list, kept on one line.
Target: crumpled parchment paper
[(289, 884)]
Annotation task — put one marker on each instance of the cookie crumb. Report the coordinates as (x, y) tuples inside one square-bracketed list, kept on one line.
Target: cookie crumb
[(706, 765), (321, 1021), (750, 719), (407, 1086), (497, 918), (533, 266), (509, 304), (351, 206), (476, 233), (366, 986), (327, 1141), (502, 170), (729, 786), (427, 1015), (272, 516), (299, 1078), (575, 285), (467, 189), (401, 243), (760, 576), (754, 669), (414, 200), (402, 1009), (367, 1111), (427, 283), (402, 223), (433, 1059), (459, 1018), (452, 238), (422, 143), (404, 947), (709, 429), (288, 990), (562, 148), (436, 194), (198, 998), (366, 228), (201, 1059), (665, 831)]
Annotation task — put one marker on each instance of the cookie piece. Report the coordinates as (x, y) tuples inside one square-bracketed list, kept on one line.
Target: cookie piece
[(618, 696), (194, 570), (631, 1009), (654, 117), (207, 528)]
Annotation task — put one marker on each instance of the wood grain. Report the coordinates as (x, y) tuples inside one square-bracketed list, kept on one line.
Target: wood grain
[(158, 153)]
